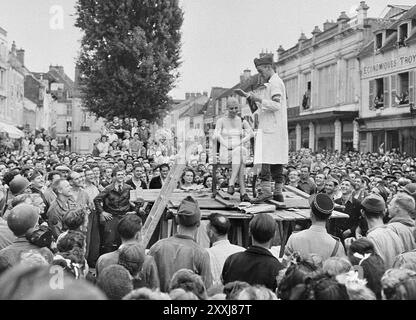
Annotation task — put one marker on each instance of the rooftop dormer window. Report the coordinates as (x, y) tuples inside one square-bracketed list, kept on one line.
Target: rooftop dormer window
[(379, 40), (403, 34)]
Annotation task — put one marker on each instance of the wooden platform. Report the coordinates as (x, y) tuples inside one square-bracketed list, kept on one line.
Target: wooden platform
[(296, 209)]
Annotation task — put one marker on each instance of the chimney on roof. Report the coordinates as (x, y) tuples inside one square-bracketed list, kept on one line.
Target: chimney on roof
[(362, 12), (13, 48), (302, 37), (21, 56), (60, 69), (280, 51), (246, 74), (329, 25), (187, 95), (316, 31), (205, 93)]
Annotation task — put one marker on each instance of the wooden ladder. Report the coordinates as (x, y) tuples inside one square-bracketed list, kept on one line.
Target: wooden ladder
[(162, 199)]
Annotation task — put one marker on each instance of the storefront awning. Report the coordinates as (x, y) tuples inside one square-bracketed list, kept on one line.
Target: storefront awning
[(13, 132)]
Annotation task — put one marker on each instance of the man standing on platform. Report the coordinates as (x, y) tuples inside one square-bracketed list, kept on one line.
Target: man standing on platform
[(272, 139)]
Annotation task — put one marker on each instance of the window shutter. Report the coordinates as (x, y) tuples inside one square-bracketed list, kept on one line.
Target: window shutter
[(386, 92), (411, 87), (393, 90), (372, 84)]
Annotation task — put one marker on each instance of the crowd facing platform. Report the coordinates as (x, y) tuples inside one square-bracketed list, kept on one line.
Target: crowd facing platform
[(70, 211)]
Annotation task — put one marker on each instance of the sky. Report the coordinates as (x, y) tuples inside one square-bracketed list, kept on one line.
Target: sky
[(220, 38)]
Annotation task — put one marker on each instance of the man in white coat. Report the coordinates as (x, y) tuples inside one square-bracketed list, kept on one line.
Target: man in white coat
[(272, 138)]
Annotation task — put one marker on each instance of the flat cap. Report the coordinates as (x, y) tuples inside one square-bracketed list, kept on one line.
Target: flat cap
[(265, 60)]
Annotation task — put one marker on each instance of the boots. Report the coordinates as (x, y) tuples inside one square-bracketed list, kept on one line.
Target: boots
[(278, 192), (266, 193)]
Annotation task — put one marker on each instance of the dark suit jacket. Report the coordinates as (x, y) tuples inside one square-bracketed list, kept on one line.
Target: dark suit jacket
[(114, 202), (256, 265), (338, 226), (155, 183)]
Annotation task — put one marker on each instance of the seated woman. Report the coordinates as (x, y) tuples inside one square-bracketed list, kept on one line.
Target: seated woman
[(188, 181), (230, 132)]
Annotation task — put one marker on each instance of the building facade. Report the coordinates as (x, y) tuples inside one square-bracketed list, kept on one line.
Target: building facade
[(322, 79), (388, 75)]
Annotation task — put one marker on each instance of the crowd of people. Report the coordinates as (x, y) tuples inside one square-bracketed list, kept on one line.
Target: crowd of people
[(75, 212)]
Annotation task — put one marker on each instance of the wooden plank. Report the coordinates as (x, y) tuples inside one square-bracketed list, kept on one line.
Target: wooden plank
[(278, 205), (163, 198), (297, 191)]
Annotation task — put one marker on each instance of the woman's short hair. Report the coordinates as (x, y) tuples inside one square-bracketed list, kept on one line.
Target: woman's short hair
[(399, 284), (327, 288), (232, 289), (115, 282), (189, 281), (336, 265), (256, 293), (262, 227), (146, 294)]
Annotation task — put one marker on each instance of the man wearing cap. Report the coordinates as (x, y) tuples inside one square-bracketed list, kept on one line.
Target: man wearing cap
[(316, 239), (401, 208), (22, 220), (181, 251), (387, 243), (272, 139)]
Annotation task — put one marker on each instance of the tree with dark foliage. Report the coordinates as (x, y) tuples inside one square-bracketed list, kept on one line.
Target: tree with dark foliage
[(130, 52)]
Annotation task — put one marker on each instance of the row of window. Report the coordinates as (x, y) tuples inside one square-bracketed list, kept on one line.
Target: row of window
[(403, 33), (394, 90)]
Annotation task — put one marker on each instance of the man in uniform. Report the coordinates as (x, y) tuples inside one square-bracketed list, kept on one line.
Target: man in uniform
[(316, 239), (272, 140)]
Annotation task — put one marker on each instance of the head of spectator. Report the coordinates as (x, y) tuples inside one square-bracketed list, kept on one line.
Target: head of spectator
[(188, 216), (188, 177), (19, 185), (129, 228), (182, 294), (164, 170), (356, 288), (256, 293), (327, 288), (402, 206), (410, 189), (293, 177), (320, 180), (321, 208), (132, 256), (71, 253), (336, 265), (331, 185), (346, 187), (146, 294), (53, 176), (208, 182), (62, 189), (218, 227), (22, 219), (373, 208), (232, 289), (262, 229), (399, 284), (115, 282), (25, 282), (74, 219), (362, 253), (37, 201), (36, 180), (293, 281), (119, 174), (304, 173), (189, 281)]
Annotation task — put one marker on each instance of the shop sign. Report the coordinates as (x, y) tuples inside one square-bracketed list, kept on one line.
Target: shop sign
[(390, 64)]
